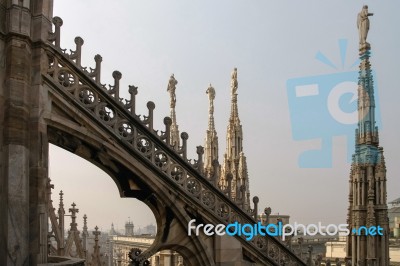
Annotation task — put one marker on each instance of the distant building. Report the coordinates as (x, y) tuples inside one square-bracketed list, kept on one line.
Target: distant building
[(150, 229), (274, 218), (129, 227), (122, 245), (394, 218), (337, 250), (112, 231)]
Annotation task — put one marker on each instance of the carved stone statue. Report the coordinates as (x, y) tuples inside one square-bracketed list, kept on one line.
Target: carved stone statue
[(211, 96), (171, 89), (363, 24), (234, 82)]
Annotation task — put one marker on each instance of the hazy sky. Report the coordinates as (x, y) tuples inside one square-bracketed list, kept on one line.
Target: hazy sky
[(200, 42)]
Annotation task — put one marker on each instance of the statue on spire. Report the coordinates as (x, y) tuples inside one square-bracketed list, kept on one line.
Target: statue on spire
[(363, 24), (234, 82), (211, 96), (171, 89)]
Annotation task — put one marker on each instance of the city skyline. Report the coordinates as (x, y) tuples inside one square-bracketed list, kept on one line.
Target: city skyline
[(149, 45)]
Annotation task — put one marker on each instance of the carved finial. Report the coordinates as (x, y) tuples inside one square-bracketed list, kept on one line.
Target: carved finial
[(150, 118), (363, 25), (114, 90), (55, 37), (76, 55), (96, 233), (95, 72), (73, 212), (61, 199), (57, 21), (200, 165), (117, 75), (185, 137), (200, 150), (131, 104), (78, 41), (85, 233), (98, 58), (256, 200), (167, 123), (96, 258), (267, 212), (133, 90)]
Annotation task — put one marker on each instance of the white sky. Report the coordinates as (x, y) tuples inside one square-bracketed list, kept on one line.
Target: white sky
[(201, 42)]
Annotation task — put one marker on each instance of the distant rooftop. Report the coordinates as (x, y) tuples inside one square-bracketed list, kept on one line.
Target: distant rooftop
[(396, 201)]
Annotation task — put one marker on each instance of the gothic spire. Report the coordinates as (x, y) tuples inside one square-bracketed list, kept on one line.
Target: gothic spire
[(174, 140), (367, 132), (61, 222), (211, 142), (234, 159), (85, 235), (73, 235), (234, 116), (367, 193), (96, 256), (55, 223)]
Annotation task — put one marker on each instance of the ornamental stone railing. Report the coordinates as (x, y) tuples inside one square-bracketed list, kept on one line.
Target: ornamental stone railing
[(136, 134)]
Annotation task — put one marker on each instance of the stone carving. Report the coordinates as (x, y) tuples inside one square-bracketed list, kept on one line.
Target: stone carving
[(106, 109), (365, 212), (96, 256), (73, 246), (363, 24), (171, 89), (135, 255), (211, 96), (234, 82), (211, 169)]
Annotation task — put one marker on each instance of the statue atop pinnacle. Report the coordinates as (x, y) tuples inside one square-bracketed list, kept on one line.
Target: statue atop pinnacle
[(174, 141), (211, 96), (234, 82), (363, 25), (171, 89)]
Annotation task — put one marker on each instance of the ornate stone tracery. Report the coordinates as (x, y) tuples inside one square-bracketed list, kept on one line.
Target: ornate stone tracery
[(125, 126), (71, 108)]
